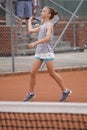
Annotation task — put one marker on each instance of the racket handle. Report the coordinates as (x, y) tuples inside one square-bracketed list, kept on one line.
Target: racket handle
[(37, 20)]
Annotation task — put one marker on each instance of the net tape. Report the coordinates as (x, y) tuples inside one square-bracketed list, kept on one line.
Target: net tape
[(43, 116)]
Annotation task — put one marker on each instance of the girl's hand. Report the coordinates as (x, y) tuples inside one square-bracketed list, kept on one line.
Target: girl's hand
[(31, 45)]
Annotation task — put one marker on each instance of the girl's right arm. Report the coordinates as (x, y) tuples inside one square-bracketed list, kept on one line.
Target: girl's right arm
[(30, 28)]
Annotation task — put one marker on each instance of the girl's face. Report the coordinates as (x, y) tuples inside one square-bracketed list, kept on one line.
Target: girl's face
[(45, 13)]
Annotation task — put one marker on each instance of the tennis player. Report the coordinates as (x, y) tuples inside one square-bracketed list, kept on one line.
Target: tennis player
[(44, 52)]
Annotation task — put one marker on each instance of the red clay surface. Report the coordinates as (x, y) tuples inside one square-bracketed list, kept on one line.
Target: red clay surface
[(14, 87)]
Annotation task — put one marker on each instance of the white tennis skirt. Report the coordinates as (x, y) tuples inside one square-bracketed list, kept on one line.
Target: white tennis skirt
[(47, 55)]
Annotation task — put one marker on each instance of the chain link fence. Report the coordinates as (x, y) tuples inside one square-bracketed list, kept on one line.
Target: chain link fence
[(14, 51)]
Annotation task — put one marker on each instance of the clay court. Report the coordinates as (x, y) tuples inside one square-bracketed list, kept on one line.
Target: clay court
[(13, 87)]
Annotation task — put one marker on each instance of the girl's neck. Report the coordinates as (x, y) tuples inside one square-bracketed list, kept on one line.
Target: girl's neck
[(46, 20)]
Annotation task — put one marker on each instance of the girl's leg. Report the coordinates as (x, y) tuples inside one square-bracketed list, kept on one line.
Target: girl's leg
[(59, 80), (35, 67), (54, 75)]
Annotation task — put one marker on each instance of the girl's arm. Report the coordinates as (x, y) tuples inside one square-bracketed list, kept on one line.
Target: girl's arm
[(30, 28), (46, 39)]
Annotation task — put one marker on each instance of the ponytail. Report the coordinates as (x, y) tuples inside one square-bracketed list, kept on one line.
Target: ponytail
[(52, 11)]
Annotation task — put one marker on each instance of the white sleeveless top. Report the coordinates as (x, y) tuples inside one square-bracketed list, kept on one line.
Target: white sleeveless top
[(44, 50)]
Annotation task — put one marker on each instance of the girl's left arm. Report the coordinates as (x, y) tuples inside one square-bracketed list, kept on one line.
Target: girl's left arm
[(46, 39)]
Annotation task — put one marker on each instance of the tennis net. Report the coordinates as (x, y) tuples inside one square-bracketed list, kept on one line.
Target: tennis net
[(43, 116)]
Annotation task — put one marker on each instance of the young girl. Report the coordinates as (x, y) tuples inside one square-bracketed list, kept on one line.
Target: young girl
[(44, 52)]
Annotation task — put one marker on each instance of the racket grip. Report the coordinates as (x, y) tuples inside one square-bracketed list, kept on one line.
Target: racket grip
[(37, 19)]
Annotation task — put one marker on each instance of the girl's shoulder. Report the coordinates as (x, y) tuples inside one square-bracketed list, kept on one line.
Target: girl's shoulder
[(47, 24)]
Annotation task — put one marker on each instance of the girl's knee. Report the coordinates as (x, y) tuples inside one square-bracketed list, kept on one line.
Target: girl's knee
[(51, 74), (54, 74), (33, 74)]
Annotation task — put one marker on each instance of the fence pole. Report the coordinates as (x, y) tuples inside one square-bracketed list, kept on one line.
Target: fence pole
[(74, 34), (12, 35)]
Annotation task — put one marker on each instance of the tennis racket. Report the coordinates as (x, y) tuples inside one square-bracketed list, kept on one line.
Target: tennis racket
[(55, 20)]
